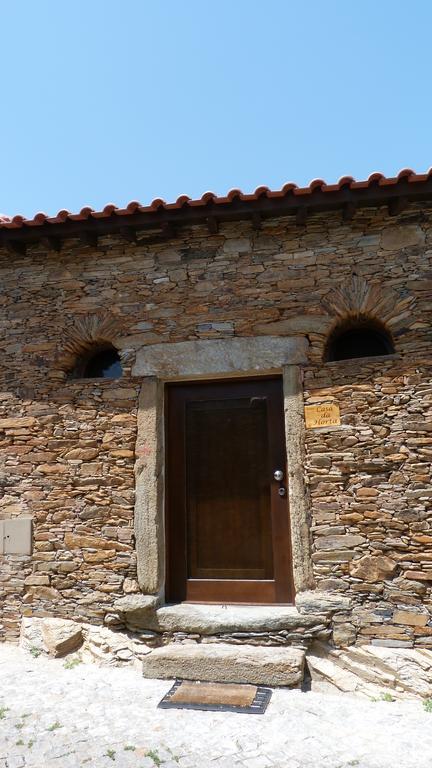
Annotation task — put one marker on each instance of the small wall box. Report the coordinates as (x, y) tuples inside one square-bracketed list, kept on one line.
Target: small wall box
[(16, 536)]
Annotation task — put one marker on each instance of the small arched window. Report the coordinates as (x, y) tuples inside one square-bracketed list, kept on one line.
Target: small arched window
[(358, 337), (101, 362)]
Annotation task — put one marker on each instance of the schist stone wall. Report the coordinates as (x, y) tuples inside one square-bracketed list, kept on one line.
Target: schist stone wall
[(68, 446)]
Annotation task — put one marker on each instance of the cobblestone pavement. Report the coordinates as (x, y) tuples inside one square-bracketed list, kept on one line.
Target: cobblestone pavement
[(55, 716)]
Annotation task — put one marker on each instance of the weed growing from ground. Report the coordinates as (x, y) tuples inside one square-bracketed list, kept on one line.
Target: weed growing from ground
[(71, 663), (129, 748), (387, 697), (153, 755), (383, 697), (3, 711), (110, 753), (35, 652), (427, 705), (54, 726)]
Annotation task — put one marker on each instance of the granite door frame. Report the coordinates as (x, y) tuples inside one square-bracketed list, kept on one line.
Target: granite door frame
[(212, 359)]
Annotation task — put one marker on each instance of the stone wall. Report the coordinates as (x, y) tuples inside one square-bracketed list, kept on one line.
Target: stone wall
[(67, 446), (370, 488), (69, 464)]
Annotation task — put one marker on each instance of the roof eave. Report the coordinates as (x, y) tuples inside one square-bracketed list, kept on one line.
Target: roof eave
[(166, 220)]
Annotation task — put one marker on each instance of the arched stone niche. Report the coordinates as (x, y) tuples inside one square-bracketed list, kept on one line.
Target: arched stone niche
[(91, 332)]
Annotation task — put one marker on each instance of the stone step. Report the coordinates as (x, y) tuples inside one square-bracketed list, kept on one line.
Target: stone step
[(226, 663)]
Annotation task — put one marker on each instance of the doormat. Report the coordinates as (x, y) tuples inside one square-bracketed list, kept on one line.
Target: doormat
[(217, 697)]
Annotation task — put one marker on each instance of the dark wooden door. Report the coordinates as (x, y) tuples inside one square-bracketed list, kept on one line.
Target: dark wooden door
[(227, 524)]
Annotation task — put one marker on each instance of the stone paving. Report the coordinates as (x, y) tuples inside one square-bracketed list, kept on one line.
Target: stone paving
[(55, 715)]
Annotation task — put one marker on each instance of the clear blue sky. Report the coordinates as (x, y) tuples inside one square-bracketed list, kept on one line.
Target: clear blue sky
[(109, 101)]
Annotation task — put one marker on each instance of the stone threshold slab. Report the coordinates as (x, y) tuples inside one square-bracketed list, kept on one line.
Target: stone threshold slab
[(216, 619), (312, 608)]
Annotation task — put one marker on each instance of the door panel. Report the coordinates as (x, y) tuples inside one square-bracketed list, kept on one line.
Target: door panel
[(228, 495), (227, 525)]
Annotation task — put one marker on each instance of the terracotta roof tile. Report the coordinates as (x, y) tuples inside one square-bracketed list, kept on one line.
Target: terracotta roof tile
[(317, 185)]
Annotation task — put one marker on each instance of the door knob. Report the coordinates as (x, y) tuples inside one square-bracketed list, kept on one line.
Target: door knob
[(278, 475)]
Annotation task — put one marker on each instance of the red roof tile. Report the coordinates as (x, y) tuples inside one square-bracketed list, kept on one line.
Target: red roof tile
[(290, 189)]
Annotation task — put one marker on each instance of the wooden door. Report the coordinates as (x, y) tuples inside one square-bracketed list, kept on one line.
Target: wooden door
[(227, 522)]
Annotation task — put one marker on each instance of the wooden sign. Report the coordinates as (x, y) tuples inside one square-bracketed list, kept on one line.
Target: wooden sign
[(325, 415)]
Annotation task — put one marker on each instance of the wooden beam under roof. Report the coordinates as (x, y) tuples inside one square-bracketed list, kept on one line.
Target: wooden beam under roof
[(301, 216), (16, 247), (397, 205), (52, 243), (129, 234), (212, 225), (348, 211), (256, 220), (89, 237)]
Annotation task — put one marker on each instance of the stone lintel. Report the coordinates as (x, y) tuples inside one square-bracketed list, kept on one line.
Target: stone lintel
[(220, 357)]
